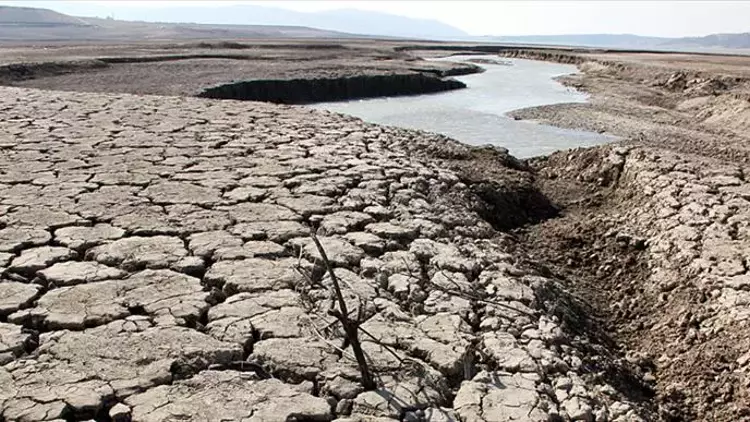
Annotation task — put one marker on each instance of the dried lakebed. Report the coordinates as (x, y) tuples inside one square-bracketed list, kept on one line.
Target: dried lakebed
[(153, 251)]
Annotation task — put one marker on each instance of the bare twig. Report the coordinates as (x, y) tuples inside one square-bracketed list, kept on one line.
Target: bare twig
[(383, 345), (350, 327), (472, 296), (328, 342)]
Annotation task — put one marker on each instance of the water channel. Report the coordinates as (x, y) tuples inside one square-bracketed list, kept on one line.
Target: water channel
[(477, 114)]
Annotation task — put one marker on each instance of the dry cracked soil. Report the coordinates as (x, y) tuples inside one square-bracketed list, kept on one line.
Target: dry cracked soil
[(158, 263)]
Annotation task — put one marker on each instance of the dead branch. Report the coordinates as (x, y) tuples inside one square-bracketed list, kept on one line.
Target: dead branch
[(351, 328), (473, 296)]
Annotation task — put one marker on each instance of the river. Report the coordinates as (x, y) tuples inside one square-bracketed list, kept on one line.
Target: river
[(476, 115)]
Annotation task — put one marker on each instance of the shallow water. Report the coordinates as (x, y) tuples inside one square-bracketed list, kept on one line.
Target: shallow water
[(476, 114)]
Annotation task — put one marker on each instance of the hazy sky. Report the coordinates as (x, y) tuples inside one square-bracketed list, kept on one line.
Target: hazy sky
[(645, 17)]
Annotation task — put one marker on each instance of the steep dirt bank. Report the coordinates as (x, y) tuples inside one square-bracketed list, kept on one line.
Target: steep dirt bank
[(310, 90), (655, 241)]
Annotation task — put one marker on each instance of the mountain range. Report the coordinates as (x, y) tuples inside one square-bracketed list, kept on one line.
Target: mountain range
[(27, 24), (630, 41), (343, 20), (24, 25)]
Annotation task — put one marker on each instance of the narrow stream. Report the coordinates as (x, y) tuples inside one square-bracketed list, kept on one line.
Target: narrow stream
[(476, 115)]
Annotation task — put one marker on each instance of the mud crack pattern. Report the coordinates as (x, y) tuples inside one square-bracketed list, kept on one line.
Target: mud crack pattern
[(151, 257)]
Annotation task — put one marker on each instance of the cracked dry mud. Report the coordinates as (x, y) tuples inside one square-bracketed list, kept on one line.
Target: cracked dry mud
[(152, 257), (662, 249)]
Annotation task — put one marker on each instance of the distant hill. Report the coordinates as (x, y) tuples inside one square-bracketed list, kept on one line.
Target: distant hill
[(29, 16), (587, 40), (372, 23), (27, 24), (24, 24), (714, 40), (344, 20), (629, 41)]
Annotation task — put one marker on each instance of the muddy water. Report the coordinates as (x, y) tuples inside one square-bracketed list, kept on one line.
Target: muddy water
[(476, 114)]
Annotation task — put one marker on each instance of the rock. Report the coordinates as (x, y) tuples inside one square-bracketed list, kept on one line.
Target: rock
[(368, 242), (438, 301), (14, 342), (378, 211), (5, 259), (400, 285), (443, 256), (42, 217), (507, 353), (343, 222), (433, 414), (343, 388), (275, 231), (206, 243), (339, 251), (75, 370), (188, 219), (295, 359), (261, 181), (170, 297), (396, 262), (251, 249), (307, 205), (190, 265), (122, 178), (70, 273), (504, 287), (167, 193), (171, 220), (245, 193), (227, 395), (344, 407), (578, 410), (134, 253), (447, 356), (15, 296), (80, 238), (13, 239), (252, 212), (451, 281), (120, 413), (35, 259), (391, 231), (247, 315), (350, 282), (500, 397), (252, 275), (395, 396)]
